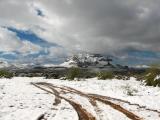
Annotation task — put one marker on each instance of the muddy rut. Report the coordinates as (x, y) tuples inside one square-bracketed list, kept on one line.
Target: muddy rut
[(83, 114)]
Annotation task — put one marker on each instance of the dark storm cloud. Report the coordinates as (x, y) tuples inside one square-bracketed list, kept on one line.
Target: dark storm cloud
[(101, 26), (110, 25)]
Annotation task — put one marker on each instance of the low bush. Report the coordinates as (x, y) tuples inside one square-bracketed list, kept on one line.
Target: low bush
[(5, 74), (73, 73), (152, 77), (79, 73), (129, 90), (105, 75), (122, 77)]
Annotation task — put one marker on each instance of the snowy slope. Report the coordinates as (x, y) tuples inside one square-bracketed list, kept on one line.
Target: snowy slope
[(19, 100), (86, 60), (68, 64), (4, 64), (141, 66), (49, 65)]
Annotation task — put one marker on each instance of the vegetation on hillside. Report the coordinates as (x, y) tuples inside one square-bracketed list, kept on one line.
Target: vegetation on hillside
[(73, 73), (152, 77), (5, 74), (105, 75), (78, 73)]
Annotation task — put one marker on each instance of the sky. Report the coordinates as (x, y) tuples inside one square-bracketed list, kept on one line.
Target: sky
[(47, 31)]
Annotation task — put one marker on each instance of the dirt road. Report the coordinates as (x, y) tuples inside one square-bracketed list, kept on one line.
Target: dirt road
[(60, 92)]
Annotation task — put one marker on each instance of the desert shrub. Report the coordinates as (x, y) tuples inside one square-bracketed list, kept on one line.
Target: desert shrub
[(119, 77), (140, 77), (129, 90), (73, 73), (105, 75), (157, 82), (151, 77), (78, 73), (88, 74), (84, 73), (122, 77), (52, 76), (5, 74)]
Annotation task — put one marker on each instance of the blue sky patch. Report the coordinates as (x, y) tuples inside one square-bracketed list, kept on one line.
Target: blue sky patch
[(30, 36), (140, 57), (39, 13), (143, 54), (8, 56), (134, 56), (35, 55)]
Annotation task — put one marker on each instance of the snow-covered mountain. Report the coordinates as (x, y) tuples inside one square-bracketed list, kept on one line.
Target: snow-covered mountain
[(141, 66), (88, 60), (4, 64), (84, 60), (69, 63), (95, 62), (49, 65)]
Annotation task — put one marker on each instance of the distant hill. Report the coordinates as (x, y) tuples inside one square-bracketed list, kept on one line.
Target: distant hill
[(92, 61), (4, 64), (85, 60)]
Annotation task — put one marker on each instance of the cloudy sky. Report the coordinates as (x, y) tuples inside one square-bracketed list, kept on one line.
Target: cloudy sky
[(49, 30)]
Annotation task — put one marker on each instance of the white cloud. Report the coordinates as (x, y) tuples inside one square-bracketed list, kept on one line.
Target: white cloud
[(102, 26), (57, 52), (9, 42)]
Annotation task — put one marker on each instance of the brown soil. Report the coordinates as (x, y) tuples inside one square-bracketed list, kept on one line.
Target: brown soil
[(92, 98)]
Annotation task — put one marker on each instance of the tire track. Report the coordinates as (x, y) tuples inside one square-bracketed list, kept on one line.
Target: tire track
[(96, 108), (76, 106), (64, 91), (41, 117), (92, 98), (82, 113), (103, 98), (111, 104), (124, 101)]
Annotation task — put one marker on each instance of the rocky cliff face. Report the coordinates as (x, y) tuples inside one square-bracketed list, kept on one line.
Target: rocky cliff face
[(88, 60), (93, 61)]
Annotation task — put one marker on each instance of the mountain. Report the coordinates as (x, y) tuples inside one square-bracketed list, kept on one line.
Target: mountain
[(90, 61), (69, 63), (4, 64), (83, 60), (141, 66), (11, 66)]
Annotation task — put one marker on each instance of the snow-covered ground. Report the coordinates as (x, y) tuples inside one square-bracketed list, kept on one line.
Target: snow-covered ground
[(19, 100)]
